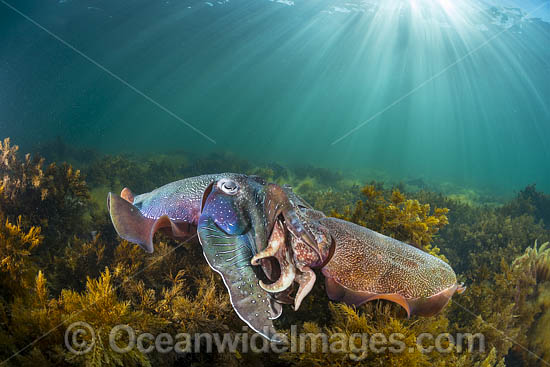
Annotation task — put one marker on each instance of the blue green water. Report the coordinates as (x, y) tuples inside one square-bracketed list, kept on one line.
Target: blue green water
[(442, 90)]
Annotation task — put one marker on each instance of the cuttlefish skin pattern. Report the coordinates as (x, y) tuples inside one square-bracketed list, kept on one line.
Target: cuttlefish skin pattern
[(367, 265), (244, 224), (179, 200), (227, 234), (232, 214)]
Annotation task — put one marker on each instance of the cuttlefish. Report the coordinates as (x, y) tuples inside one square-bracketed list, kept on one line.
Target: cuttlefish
[(265, 241)]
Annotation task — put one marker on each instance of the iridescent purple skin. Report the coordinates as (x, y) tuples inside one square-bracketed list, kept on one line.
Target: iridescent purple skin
[(231, 229), (264, 241), (179, 200), (173, 208), (232, 219)]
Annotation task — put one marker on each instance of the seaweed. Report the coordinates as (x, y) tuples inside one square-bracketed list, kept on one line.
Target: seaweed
[(53, 197), (396, 216), (509, 306), (61, 261), (535, 262), (539, 339), (532, 202), (373, 335), (16, 266)]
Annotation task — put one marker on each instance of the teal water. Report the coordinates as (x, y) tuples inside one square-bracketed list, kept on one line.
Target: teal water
[(441, 90)]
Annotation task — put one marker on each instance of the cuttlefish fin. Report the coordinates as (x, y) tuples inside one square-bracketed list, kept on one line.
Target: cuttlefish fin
[(127, 195), (429, 306), (131, 225), (338, 292), (421, 306)]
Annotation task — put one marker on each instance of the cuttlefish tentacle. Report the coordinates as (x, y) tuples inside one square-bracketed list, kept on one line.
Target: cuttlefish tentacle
[(276, 309), (244, 223), (284, 297), (272, 248), (279, 203), (295, 256), (277, 248), (306, 279)]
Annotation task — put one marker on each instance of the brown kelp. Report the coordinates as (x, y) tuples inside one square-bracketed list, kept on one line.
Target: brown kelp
[(61, 262), (401, 218)]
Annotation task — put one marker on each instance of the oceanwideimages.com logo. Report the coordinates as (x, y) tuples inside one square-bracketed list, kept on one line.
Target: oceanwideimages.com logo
[(80, 338)]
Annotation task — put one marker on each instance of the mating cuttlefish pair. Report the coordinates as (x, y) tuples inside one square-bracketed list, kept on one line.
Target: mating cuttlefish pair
[(264, 241)]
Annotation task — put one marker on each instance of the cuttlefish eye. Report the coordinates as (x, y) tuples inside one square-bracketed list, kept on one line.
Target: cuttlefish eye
[(228, 186)]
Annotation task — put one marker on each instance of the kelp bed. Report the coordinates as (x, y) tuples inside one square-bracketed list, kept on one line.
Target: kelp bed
[(61, 262)]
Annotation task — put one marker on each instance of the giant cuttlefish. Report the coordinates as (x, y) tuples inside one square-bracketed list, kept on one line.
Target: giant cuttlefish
[(264, 241)]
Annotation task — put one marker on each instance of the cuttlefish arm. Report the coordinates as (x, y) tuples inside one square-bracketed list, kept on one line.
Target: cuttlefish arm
[(367, 265), (295, 256), (231, 226), (227, 230)]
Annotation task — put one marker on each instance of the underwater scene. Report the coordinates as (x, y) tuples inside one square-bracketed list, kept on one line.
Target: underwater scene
[(274, 183)]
